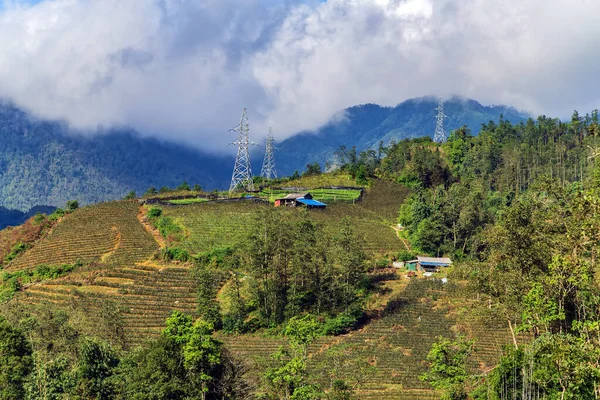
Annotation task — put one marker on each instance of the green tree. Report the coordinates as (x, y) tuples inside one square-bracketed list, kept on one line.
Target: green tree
[(16, 361), (72, 205), (151, 191), (97, 364), (448, 367), (184, 186), (202, 353)]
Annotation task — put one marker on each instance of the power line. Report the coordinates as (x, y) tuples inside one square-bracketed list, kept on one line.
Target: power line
[(268, 168), (242, 170), (440, 133)]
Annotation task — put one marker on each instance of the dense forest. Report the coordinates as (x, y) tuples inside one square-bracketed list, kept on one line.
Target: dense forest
[(517, 207)]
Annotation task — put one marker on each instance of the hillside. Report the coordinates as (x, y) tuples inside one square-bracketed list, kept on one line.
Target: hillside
[(44, 162), (119, 273), (366, 125)]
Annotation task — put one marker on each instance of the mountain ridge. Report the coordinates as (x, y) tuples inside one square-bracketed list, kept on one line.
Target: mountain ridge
[(409, 119)]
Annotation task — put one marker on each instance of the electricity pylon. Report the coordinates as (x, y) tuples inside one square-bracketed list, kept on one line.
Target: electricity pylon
[(268, 168), (440, 133), (242, 171)]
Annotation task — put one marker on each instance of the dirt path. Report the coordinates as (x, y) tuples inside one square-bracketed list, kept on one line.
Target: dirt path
[(153, 231), (398, 230)]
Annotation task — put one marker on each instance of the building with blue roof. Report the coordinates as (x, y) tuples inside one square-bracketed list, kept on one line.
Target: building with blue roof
[(299, 200), (428, 264)]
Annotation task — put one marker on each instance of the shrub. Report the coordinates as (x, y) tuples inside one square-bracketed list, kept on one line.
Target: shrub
[(131, 195), (343, 322), (39, 218), (15, 251), (72, 205), (405, 255), (154, 212), (151, 191), (164, 189), (175, 254), (57, 214), (13, 282), (197, 188)]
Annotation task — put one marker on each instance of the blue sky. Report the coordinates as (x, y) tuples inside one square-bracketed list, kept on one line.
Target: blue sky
[(188, 67)]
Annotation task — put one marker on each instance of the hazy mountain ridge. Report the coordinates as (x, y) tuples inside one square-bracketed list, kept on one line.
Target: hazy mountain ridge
[(42, 162), (366, 125)]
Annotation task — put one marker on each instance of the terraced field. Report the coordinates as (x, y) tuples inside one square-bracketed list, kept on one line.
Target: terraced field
[(392, 346), (146, 293), (225, 224), (108, 232), (214, 224)]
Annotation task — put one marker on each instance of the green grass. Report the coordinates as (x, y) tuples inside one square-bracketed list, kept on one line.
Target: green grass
[(328, 179), (188, 201), (212, 224)]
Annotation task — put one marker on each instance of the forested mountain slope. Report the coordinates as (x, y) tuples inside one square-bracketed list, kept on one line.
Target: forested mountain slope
[(42, 163), (365, 126)]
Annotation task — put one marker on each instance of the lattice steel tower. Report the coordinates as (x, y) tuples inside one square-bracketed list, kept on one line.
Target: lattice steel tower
[(440, 133), (268, 168), (242, 171)]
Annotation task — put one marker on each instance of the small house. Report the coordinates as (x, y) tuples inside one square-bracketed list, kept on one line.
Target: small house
[(428, 264), (299, 200)]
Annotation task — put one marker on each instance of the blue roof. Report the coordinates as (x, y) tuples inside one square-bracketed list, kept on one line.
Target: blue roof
[(434, 264), (312, 203)]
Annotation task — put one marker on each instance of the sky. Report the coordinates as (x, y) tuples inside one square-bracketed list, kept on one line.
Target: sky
[(183, 69)]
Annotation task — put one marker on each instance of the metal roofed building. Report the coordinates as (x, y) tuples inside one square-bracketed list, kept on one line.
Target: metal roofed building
[(298, 200), (428, 264), (310, 203)]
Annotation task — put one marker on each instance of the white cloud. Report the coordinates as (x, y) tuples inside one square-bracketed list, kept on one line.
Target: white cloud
[(183, 69)]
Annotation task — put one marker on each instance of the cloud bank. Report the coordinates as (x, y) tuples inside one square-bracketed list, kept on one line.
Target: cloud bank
[(184, 69)]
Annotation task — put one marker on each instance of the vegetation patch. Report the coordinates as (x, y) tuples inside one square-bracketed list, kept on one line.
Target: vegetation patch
[(13, 282), (192, 200)]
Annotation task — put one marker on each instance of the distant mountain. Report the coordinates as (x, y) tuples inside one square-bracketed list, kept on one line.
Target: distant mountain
[(41, 162), (366, 125), (16, 217)]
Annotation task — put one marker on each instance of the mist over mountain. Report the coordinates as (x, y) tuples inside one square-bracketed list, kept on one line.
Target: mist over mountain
[(44, 163)]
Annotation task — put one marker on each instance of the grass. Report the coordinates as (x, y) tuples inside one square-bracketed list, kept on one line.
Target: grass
[(193, 200), (328, 179)]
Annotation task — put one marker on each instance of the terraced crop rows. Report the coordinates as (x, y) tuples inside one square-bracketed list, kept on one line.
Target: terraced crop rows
[(146, 294), (212, 225), (397, 344), (108, 232)]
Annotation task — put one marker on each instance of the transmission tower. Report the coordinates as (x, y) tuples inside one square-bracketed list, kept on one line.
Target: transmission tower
[(440, 133), (268, 168), (242, 171)]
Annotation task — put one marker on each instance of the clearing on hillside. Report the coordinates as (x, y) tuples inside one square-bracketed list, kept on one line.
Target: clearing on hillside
[(220, 224), (107, 232)]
